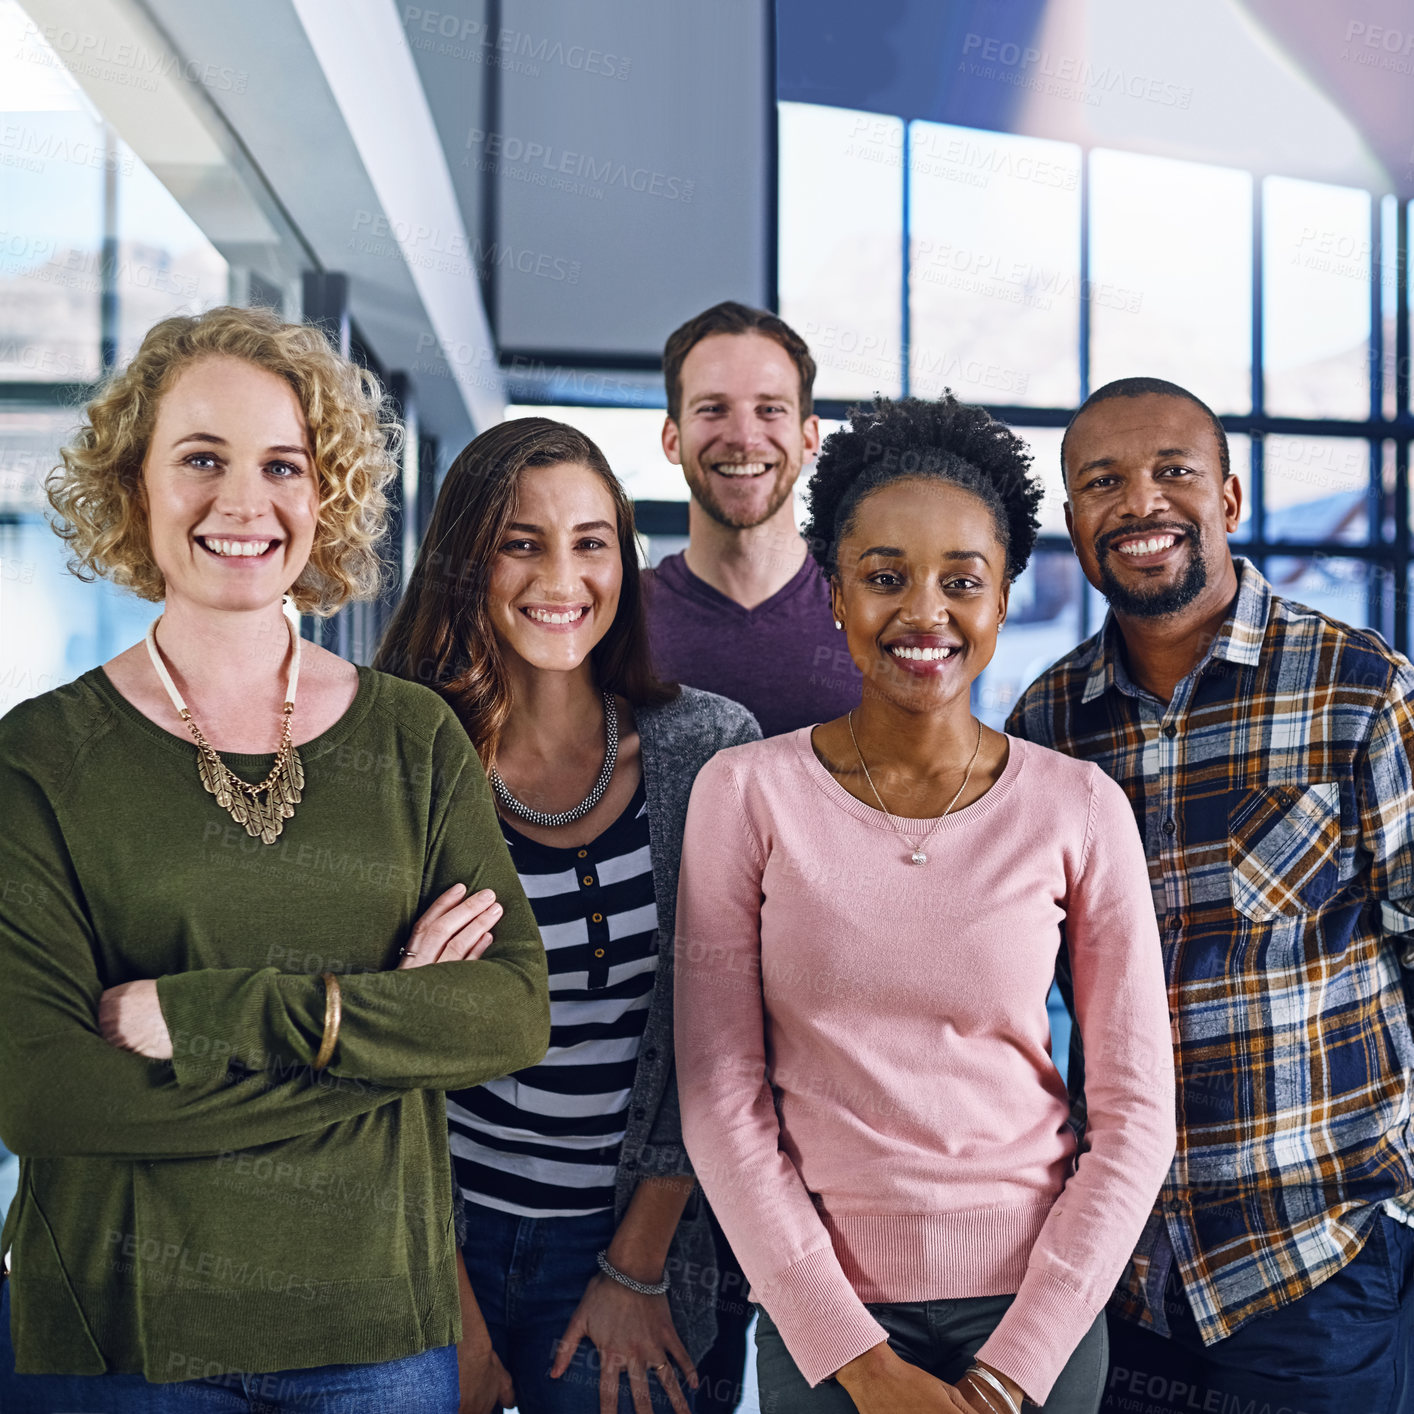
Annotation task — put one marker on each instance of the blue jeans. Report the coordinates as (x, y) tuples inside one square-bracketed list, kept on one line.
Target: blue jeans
[(1344, 1347), (420, 1384), (528, 1275)]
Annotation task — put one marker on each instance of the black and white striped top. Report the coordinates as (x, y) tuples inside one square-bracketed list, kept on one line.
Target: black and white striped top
[(545, 1141)]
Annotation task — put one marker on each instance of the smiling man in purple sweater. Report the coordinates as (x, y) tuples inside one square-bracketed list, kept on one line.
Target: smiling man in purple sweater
[(744, 611)]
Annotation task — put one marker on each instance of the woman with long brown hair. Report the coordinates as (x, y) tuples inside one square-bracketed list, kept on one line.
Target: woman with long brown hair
[(586, 1247)]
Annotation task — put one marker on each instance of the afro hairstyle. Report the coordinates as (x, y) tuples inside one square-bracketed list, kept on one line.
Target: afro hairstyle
[(910, 439)]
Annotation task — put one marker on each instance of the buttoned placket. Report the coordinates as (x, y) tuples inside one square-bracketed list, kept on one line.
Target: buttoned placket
[(1216, 726), (596, 924), (1161, 725), (1162, 728)]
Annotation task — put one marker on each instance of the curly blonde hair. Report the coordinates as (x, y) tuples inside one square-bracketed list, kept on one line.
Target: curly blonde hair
[(97, 492)]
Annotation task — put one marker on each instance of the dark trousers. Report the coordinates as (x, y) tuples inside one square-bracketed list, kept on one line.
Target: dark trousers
[(1344, 1348), (723, 1368), (938, 1336)]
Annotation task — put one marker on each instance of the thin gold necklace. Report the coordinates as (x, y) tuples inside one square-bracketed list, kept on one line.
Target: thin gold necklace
[(281, 788), (918, 856)]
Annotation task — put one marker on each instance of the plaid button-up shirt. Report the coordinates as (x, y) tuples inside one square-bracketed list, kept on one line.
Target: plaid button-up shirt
[(1275, 796)]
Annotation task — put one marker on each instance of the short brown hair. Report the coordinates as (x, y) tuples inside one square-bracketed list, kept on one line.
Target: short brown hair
[(729, 317), (441, 635), (97, 494)]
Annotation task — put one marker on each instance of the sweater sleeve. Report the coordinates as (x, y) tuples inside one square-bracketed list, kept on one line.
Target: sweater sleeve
[(729, 1117), (665, 1154), (1121, 1006), (63, 1089), (444, 1026)]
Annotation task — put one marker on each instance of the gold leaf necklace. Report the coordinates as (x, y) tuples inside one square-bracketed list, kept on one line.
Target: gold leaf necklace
[(281, 788)]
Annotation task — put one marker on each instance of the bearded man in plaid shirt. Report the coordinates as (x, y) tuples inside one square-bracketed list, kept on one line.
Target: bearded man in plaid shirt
[(1266, 750)]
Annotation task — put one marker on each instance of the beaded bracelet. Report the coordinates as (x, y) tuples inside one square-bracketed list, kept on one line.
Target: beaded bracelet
[(643, 1288)]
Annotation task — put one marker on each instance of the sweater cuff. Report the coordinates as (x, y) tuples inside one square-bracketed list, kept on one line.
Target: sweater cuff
[(1039, 1333), (197, 1057), (823, 1322), (212, 1016)]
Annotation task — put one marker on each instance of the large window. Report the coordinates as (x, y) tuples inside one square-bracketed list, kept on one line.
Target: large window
[(1316, 265), (93, 251), (1171, 275), (1024, 273), (994, 265), (1033, 272), (841, 212)]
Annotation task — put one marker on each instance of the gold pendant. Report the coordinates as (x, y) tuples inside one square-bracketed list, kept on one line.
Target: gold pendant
[(282, 790)]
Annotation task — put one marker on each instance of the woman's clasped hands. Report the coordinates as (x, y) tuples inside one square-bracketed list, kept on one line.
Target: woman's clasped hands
[(881, 1382)]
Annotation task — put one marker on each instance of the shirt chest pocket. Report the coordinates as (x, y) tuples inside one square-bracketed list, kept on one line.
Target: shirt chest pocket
[(1284, 849)]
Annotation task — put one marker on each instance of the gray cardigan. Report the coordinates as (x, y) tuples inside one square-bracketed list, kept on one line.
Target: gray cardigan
[(677, 740)]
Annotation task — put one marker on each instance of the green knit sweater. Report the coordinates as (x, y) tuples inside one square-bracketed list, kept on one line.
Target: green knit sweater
[(232, 1209)]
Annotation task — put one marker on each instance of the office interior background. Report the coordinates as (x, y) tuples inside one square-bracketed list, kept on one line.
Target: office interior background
[(503, 207)]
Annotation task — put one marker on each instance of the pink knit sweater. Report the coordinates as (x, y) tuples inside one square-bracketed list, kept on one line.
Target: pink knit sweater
[(863, 1053)]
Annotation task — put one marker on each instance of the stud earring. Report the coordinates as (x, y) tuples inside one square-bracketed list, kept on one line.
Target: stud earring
[(838, 624)]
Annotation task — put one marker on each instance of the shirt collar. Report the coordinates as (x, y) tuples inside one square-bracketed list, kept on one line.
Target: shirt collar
[(1238, 641)]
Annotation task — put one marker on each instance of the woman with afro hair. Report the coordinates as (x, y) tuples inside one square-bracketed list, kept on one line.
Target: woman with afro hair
[(870, 915)]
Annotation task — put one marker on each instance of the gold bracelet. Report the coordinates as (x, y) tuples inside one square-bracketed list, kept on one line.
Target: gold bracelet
[(333, 1015)]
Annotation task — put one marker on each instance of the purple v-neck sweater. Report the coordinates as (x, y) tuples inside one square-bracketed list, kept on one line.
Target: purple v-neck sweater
[(784, 660)]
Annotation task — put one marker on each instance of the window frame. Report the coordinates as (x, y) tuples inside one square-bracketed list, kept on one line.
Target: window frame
[(1387, 547)]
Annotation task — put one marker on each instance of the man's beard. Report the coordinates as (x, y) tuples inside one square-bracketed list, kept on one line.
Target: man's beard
[(1168, 598), (702, 492)]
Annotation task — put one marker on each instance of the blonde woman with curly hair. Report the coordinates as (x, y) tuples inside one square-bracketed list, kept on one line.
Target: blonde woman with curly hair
[(259, 916)]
